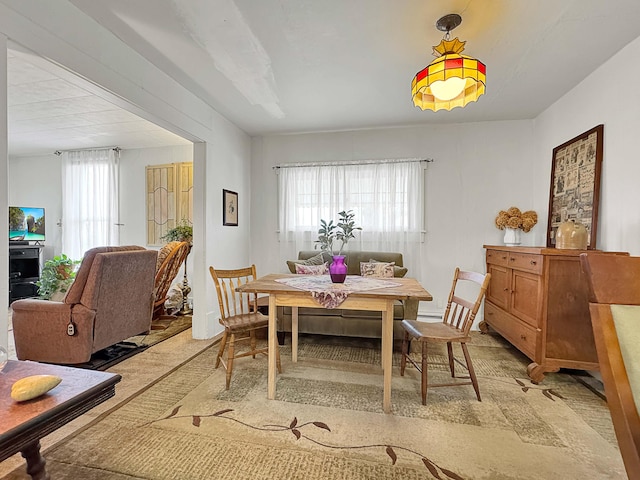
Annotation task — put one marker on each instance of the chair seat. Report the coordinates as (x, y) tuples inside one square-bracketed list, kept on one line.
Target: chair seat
[(245, 321), (437, 332)]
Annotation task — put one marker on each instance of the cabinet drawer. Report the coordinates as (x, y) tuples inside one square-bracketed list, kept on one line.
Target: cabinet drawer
[(519, 334), (498, 257), (525, 261)]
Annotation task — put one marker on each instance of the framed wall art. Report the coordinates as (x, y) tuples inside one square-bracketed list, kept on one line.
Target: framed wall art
[(575, 184), (229, 208)]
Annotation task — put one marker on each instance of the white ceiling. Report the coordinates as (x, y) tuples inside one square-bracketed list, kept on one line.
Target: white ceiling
[(280, 66), (49, 110)]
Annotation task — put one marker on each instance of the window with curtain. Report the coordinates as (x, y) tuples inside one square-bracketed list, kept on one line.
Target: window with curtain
[(89, 200), (387, 198)]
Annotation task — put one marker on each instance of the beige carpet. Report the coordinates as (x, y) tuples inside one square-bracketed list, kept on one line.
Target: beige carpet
[(327, 423)]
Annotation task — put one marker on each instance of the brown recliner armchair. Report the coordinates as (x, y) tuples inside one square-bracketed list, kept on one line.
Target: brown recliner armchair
[(110, 300)]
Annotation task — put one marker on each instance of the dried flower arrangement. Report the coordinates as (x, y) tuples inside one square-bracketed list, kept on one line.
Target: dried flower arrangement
[(514, 218)]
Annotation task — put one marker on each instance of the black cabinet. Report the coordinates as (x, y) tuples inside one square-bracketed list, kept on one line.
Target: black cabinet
[(24, 271)]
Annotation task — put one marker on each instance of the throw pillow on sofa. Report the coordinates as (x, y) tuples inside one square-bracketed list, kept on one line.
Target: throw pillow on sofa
[(398, 272), (377, 269), (315, 260), (312, 269)]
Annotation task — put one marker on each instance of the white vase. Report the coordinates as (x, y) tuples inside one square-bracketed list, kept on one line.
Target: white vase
[(511, 236)]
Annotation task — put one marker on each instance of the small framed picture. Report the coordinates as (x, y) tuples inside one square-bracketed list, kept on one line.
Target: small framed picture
[(229, 208)]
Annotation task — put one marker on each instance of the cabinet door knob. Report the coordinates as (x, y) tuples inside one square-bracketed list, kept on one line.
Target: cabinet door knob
[(523, 337), (533, 262), (504, 258), (506, 289), (512, 259)]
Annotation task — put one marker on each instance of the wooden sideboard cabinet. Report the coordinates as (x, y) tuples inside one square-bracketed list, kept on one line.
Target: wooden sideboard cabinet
[(538, 300)]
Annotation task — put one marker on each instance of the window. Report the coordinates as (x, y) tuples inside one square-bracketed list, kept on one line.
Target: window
[(387, 198), (90, 200)]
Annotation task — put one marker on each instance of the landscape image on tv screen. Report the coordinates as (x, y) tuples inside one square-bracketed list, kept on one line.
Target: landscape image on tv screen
[(26, 223)]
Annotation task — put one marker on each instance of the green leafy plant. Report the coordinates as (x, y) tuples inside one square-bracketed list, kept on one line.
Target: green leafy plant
[(326, 234), (342, 231), (183, 232), (57, 275)]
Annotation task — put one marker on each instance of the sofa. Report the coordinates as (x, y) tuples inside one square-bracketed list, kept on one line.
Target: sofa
[(110, 300), (351, 323)]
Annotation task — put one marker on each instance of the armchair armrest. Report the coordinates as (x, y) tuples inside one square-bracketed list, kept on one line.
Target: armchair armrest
[(40, 331)]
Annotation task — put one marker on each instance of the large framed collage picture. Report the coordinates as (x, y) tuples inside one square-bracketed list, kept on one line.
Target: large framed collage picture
[(575, 184)]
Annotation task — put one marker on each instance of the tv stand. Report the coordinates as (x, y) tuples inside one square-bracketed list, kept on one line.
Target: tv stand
[(24, 270)]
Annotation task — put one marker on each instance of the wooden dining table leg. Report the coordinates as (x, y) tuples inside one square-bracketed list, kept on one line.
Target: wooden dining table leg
[(271, 377), (387, 355), (35, 461), (294, 334)]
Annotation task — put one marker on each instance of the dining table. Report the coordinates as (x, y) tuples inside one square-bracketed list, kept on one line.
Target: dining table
[(356, 294)]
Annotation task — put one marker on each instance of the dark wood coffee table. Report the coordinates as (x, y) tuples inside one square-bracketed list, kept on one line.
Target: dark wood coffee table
[(23, 424)]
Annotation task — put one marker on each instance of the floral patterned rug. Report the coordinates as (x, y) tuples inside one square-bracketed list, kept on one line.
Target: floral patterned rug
[(327, 422)]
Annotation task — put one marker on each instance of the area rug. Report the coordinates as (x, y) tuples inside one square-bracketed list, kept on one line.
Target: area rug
[(327, 423), (110, 356)]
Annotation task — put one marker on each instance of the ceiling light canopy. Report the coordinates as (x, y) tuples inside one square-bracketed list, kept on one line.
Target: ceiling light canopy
[(452, 79)]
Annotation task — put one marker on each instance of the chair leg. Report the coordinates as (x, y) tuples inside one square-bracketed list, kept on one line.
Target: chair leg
[(278, 365), (451, 361), (230, 354), (424, 373), (472, 372), (252, 342), (405, 351), (223, 343)]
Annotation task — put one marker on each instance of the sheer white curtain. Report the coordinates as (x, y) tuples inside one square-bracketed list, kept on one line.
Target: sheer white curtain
[(387, 198), (89, 200)]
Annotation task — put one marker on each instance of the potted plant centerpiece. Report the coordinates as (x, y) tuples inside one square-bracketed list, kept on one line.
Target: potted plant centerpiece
[(342, 231)]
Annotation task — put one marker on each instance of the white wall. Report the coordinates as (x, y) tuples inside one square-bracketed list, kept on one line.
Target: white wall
[(60, 32), (607, 96), (478, 170), (37, 182)]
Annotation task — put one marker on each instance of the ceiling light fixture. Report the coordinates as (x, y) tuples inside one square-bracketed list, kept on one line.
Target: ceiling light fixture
[(451, 80)]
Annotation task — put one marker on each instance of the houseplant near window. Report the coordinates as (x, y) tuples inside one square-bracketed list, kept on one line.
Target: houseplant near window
[(57, 276), (342, 231), (183, 232)]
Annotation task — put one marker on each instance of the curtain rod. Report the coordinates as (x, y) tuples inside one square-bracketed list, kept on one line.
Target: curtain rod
[(59, 152), (353, 162)]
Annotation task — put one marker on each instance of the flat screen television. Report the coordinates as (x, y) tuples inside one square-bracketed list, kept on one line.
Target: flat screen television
[(26, 224)]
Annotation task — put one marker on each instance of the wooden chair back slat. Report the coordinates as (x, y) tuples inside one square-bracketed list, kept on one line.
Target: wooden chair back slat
[(460, 313), (230, 301)]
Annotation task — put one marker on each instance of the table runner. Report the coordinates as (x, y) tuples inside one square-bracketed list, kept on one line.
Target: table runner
[(331, 295)]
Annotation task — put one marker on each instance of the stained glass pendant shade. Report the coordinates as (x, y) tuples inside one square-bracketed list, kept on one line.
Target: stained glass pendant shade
[(452, 79)]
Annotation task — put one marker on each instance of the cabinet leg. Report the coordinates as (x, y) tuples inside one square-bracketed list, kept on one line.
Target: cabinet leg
[(484, 327), (536, 372)]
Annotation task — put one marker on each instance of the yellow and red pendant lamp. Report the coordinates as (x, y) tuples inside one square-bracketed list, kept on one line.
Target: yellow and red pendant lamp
[(452, 79)]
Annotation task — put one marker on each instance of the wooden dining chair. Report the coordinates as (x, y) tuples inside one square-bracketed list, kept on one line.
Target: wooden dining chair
[(454, 328), (614, 305), (239, 316)]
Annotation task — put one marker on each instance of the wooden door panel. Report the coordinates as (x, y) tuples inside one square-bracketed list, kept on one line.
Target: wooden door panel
[(526, 299), (499, 285)]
